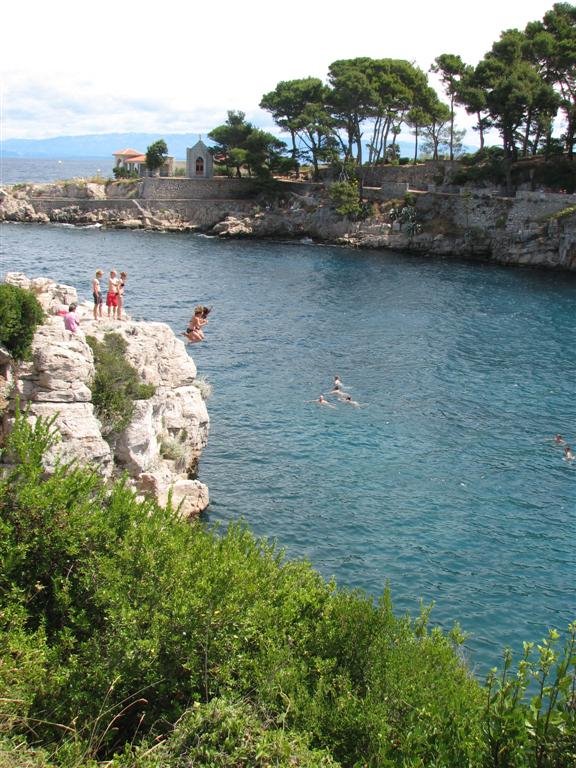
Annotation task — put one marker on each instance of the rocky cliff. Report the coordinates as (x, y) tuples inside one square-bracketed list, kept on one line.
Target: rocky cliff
[(533, 228), (159, 449)]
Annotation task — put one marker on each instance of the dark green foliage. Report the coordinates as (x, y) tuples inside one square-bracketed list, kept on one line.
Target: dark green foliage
[(557, 174), (156, 155), (122, 624), (541, 733), (116, 383), (20, 314), (486, 165), (345, 198), (242, 146), (123, 173)]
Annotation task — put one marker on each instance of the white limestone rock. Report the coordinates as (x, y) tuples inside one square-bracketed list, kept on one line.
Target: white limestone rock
[(190, 497), (51, 296), (78, 435), (233, 227), (137, 447), (153, 349), (56, 383), (60, 369)]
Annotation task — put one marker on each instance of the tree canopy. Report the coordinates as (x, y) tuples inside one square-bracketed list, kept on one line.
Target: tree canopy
[(240, 145), (518, 88), (156, 155)]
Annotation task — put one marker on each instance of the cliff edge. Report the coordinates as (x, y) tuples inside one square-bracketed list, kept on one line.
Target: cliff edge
[(160, 447)]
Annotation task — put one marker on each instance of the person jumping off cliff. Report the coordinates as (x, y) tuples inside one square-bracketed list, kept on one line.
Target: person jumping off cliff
[(198, 320)]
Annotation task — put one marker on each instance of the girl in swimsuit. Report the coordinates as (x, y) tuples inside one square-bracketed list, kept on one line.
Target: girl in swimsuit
[(121, 284), (194, 331)]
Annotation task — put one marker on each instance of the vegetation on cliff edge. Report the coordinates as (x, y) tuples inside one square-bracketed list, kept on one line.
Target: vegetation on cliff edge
[(116, 384), (126, 631), (20, 314)]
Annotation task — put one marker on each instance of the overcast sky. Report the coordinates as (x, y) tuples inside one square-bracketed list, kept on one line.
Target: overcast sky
[(72, 68)]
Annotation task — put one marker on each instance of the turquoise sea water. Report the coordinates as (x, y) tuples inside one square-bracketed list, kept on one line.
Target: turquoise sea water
[(447, 483)]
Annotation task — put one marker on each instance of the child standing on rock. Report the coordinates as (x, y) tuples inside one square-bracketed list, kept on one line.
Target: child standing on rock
[(97, 294), (112, 295), (121, 284)]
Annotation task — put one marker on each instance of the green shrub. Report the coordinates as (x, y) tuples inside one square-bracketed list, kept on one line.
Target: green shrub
[(116, 384), (484, 166), (130, 632), (410, 199), (556, 174), (174, 449), (563, 214), (345, 198), (20, 314), (123, 173), (227, 734), (220, 169), (15, 753), (530, 714)]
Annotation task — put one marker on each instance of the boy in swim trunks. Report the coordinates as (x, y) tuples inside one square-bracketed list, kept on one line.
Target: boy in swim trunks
[(112, 295), (97, 294)]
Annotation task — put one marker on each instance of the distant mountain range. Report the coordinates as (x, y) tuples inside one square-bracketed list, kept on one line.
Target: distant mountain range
[(105, 144), (95, 145)]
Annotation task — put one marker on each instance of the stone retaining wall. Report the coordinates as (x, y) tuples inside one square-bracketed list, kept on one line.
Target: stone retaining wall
[(419, 176), (196, 189), (528, 211), (200, 213)]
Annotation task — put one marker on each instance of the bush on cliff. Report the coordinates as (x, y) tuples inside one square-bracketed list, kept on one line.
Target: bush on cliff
[(345, 197), (20, 314), (124, 626), (116, 384)]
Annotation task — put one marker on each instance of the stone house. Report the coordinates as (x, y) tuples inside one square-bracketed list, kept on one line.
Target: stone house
[(134, 160), (199, 161)]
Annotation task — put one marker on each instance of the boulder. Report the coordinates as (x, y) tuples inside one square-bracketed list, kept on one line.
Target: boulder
[(233, 227), (190, 497), (78, 435)]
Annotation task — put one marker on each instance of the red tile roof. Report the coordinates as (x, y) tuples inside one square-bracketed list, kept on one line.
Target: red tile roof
[(127, 153)]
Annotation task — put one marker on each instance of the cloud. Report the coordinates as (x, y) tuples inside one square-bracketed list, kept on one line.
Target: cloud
[(120, 70)]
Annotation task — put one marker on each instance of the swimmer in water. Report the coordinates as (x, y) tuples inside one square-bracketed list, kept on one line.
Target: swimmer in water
[(347, 399), (321, 401), (337, 385), (569, 454), (559, 440)]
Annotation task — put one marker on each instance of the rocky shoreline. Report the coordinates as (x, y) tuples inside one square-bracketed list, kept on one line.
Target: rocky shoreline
[(533, 228), (159, 449)]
